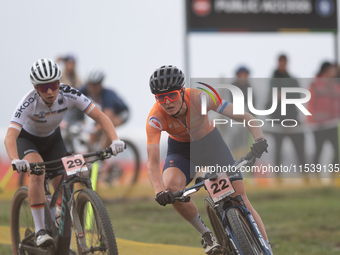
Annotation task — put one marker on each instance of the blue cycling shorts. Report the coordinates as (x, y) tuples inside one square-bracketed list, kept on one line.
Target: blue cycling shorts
[(211, 150)]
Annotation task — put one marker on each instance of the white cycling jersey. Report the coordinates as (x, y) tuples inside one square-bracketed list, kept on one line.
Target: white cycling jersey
[(33, 115)]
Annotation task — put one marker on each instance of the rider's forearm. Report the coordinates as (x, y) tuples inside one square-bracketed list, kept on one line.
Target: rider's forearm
[(246, 117), (11, 147), (104, 122), (108, 127), (254, 129), (155, 177)]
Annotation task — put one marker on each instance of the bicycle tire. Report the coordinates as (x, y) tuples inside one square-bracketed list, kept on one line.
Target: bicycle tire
[(217, 225), (18, 205), (131, 145), (100, 217), (239, 226), (126, 168), (21, 179)]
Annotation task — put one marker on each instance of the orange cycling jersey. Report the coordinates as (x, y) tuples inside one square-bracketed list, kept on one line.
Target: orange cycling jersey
[(197, 125)]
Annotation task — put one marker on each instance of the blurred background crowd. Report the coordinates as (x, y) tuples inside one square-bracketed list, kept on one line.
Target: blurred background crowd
[(314, 140), (128, 40), (311, 136)]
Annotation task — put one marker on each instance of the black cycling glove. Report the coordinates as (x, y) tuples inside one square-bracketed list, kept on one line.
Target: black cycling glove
[(165, 197), (259, 147)]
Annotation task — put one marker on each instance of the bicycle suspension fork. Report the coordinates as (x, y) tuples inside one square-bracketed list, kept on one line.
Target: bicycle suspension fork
[(74, 215), (222, 210)]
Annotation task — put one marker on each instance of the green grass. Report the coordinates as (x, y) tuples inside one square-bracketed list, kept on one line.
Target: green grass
[(300, 221)]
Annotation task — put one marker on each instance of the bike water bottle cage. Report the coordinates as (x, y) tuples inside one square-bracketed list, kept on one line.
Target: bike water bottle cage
[(172, 96), (43, 88)]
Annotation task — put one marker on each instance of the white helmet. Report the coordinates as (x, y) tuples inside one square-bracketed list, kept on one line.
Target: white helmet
[(44, 71), (95, 75)]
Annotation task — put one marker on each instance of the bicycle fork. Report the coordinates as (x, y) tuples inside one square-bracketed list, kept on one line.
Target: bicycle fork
[(230, 235), (251, 221), (77, 225), (68, 199), (257, 230)]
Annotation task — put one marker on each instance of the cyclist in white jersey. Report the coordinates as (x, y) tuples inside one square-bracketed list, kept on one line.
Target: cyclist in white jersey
[(34, 134)]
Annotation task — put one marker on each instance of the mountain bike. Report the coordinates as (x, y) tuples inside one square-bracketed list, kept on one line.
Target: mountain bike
[(232, 223), (82, 210)]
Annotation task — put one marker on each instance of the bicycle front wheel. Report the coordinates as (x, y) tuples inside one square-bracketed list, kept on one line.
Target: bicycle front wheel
[(247, 241), (96, 224), (22, 223), (217, 225)]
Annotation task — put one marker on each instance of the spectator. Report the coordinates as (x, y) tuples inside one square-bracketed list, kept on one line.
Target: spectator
[(70, 76), (240, 137), (242, 81), (324, 106), (280, 79), (106, 99)]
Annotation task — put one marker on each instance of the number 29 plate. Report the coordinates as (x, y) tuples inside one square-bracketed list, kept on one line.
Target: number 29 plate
[(220, 188), (74, 164)]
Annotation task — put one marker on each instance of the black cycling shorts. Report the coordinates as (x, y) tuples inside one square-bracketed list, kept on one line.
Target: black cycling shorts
[(50, 148), (211, 150)]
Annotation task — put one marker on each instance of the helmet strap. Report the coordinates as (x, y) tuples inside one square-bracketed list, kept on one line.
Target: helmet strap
[(180, 108), (47, 103)]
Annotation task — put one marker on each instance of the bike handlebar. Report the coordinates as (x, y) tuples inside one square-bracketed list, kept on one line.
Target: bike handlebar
[(249, 156), (182, 197), (178, 193), (101, 154)]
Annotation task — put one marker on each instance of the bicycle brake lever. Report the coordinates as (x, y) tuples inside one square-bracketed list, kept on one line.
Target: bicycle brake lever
[(183, 199), (251, 161), (187, 199), (199, 179)]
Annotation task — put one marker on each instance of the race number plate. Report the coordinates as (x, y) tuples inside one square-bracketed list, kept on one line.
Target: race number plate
[(74, 164), (219, 188)]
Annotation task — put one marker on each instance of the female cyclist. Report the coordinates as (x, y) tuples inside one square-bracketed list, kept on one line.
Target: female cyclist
[(34, 134), (193, 141)]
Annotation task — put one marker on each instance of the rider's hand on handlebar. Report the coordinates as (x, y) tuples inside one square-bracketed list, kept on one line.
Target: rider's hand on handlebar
[(165, 197), (21, 165), (117, 146), (259, 147)]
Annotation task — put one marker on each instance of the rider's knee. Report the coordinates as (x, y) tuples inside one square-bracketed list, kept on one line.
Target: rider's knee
[(172, 187), (37, 179)]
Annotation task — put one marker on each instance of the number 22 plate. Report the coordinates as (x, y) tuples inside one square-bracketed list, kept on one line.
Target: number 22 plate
[(220, 188), (74, 164)]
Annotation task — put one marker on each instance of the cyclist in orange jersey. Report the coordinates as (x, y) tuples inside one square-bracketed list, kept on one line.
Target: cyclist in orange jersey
[(193, 141)]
